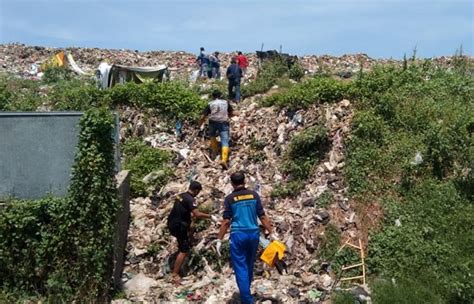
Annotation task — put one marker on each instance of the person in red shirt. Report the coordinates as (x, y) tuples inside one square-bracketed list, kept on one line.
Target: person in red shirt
[(243, 62)]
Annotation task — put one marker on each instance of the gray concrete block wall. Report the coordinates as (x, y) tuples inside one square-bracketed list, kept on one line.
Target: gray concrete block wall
[(37, 153)]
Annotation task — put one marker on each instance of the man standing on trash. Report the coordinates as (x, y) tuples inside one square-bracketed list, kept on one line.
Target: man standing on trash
[(234, 74), (203, 62), (218, 110), (243, 62), (241, 209), (179, 223), (215, 65)]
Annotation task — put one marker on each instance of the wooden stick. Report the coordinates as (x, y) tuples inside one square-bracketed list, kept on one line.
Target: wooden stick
[(352, 266), (352, 245), (363, 263), (352, 278), (344, 245)]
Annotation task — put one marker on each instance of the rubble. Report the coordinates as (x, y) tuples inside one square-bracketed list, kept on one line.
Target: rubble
[(23, 60), (298, 221)]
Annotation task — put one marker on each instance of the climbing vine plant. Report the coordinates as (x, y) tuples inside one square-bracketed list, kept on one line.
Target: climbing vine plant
[(62, 249)]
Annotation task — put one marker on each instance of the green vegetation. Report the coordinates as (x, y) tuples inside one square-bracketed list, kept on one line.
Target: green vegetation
[(170, 100), (404, 292), (412, 150), (329, 243), (342, 297), (61, 249), (18, 94), (272, 72), (325, 199), (142, 159), (56, 74), (305, 150), (315, 90), (288, 189)]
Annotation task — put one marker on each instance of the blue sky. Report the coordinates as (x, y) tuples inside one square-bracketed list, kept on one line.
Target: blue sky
[(379, 28)]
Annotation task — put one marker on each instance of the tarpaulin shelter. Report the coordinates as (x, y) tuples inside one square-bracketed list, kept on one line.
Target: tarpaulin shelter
[(110, 75)]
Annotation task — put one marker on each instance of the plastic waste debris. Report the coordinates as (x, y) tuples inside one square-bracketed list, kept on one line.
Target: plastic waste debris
[(417, 160)]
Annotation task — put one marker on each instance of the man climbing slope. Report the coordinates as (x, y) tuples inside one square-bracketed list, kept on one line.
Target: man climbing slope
[(218, 110), (179, 223), (241, 209)]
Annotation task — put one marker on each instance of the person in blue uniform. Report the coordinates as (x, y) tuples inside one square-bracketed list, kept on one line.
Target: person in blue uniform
[(242, 208)]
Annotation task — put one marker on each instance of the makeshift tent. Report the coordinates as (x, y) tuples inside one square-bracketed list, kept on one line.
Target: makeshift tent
[(110, 75)]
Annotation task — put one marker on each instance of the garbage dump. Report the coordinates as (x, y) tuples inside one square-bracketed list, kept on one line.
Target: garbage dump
[(299, 221), (24, 61)]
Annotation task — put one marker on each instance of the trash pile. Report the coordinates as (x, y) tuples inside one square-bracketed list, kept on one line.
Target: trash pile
[(299, 221), (24, 61)]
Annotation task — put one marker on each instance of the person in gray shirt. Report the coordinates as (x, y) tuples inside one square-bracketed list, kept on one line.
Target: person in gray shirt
[(218, 111)]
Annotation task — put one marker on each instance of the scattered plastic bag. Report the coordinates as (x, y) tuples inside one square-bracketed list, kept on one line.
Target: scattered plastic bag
[(194, 76), (417, 160)]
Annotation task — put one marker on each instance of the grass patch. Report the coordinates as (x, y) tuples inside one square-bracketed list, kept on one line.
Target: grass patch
[(142, 160), (426, 111), (315, 90)]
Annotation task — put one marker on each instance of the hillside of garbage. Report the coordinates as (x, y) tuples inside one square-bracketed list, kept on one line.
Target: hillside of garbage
[(260, 136), (23, 60), (364, 167)]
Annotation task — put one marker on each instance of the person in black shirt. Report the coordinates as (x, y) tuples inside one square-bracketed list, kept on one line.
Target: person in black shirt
[(179, 223), (234, 74)]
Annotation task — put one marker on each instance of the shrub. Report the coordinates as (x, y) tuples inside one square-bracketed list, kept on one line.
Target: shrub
[(172, 100), (305, 150), (325, 199), (343, 298), (141, 160), (55, 74), (329, 243), (62, 248), (19, 94), (370, 127), (404, 292), (315, 90), (25, 228), (76, 95), (434, 239), (86, 224), (296, 72), (269, 73), (404, 111), (289, 189)]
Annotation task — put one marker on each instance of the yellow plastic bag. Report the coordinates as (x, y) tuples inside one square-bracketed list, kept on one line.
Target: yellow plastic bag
[(54, 61), (273, 249)]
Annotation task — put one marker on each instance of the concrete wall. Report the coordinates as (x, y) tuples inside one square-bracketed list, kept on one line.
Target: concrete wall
[(37, 153), (121, 233)]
